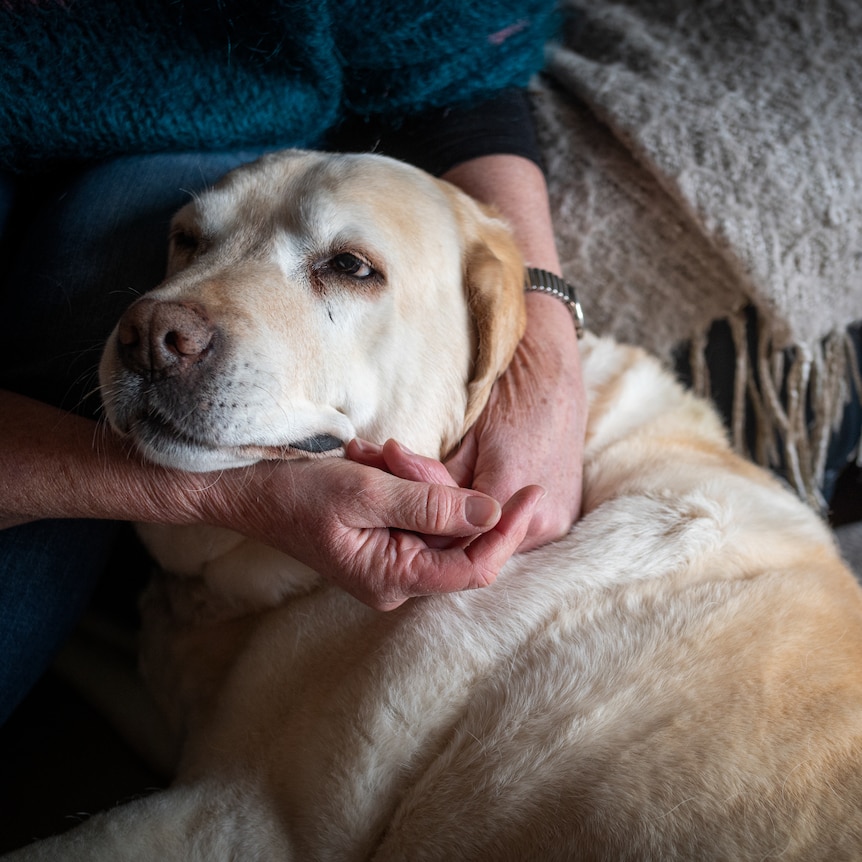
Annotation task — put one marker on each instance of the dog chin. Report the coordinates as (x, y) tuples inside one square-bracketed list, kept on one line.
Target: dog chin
[(193, 459), (181, 453)]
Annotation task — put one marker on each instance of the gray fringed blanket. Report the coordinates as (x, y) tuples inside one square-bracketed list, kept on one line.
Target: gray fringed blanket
[(707, 156)]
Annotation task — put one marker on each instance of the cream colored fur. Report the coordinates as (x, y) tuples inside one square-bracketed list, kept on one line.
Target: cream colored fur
[(678, 679)]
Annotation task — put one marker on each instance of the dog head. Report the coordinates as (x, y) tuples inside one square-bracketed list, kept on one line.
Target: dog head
[(311, 298)]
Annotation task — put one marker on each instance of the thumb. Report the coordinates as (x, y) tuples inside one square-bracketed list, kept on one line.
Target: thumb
[(441, 510)]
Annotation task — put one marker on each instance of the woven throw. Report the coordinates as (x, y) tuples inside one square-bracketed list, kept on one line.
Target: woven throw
[(704, 157)]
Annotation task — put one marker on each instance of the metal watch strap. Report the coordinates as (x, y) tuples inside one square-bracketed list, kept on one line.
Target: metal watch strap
[(547, 282)]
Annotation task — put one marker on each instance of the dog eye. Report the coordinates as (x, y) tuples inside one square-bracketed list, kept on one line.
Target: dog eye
[(184, 242), (349, 264)]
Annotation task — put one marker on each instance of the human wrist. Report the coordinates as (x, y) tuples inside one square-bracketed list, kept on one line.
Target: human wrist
[(112, 481), (221, 499), (550, 317), (544, 282), (109, 479)]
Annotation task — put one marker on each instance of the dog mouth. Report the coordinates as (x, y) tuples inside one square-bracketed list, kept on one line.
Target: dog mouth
[(318, 443), (164, 441)]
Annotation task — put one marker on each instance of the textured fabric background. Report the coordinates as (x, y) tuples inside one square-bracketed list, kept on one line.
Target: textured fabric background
[(704, 156)]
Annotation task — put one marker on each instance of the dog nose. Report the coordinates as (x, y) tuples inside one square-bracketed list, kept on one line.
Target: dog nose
[(164, 337)]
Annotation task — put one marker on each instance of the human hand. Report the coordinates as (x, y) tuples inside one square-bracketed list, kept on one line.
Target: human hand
[(532, 430), (373, 532), (378, 535)]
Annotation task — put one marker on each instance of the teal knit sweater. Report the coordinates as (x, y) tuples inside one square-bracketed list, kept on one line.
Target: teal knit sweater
[(84, 80)]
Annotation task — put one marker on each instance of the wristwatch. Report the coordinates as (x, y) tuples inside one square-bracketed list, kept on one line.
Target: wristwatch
[(547, 282)]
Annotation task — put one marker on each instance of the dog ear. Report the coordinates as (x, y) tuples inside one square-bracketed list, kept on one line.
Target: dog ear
[(494, 281)]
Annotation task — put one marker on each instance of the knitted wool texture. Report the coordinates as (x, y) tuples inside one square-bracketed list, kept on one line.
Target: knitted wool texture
[(88, 80), (704, 157)]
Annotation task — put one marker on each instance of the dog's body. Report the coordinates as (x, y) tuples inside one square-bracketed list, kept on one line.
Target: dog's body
[(679, 678)]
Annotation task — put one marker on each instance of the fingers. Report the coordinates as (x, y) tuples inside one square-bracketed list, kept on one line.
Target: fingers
[(383, 538), (441, 526), (428, 508), (419, 570), (367, 453), (440, 510), (493, 549), (551, 516), (399, 461), (480, 562)]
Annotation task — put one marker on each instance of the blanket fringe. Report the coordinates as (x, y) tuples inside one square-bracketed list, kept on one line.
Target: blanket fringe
[(792, 399)]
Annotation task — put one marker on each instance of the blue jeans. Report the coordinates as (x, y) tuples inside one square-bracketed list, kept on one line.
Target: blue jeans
[(75, 249)]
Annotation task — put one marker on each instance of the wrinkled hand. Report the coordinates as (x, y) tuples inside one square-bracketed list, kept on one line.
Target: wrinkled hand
[(375, 532), (532, 430)]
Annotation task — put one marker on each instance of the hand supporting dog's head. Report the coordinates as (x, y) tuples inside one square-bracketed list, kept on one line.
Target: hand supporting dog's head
[(312, 298)]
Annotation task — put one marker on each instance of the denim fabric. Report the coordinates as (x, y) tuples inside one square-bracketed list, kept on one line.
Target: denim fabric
[(77, 248), (48, 570)]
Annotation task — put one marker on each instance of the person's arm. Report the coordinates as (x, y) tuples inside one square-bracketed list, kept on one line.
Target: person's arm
[(355, 525), (54, 464), (533, 429)]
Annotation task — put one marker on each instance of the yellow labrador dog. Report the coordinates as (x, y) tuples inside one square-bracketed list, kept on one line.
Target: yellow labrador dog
[(678, 679)]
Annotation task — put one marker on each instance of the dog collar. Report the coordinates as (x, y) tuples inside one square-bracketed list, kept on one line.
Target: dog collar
[(546, 282)]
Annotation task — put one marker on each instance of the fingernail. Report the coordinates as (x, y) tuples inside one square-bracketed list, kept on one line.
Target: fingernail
[(482, 511)]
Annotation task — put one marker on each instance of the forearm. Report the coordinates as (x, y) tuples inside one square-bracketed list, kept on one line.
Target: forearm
[(54, 464), (516, 187)]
